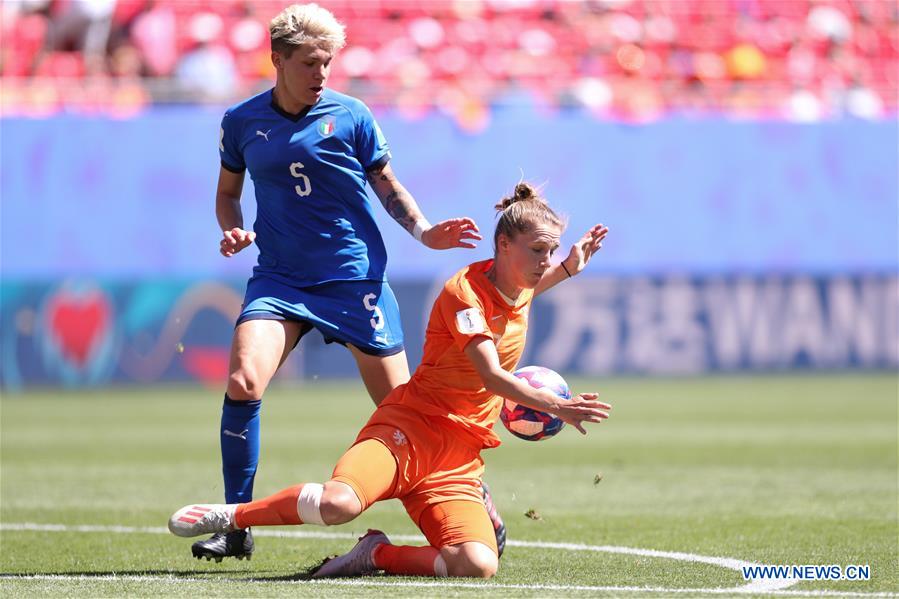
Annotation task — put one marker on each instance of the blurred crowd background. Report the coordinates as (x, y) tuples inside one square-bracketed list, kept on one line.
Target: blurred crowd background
[(799, 60)]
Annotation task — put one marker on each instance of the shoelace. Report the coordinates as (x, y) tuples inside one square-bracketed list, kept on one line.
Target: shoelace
[(220, 519), (363, 560)]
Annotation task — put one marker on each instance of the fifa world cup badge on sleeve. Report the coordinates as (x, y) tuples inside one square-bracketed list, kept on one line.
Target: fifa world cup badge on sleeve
[(470, 321)]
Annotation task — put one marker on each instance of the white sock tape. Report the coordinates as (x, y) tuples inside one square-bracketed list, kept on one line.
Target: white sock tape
[(440, 567), (308, 504)]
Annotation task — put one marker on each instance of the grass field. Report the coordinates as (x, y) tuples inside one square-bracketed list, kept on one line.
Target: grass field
[(769, 470)]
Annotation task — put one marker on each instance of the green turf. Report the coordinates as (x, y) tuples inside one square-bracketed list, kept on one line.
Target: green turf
[(775, 470)]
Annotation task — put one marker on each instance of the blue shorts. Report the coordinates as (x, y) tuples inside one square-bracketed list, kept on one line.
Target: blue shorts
[(359, 313)]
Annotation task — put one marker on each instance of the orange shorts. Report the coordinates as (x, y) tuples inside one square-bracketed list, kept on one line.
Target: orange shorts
[(425, 466)]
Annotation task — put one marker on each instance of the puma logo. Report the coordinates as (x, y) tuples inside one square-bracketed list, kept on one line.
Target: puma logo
[(242, 434), (265, 135)]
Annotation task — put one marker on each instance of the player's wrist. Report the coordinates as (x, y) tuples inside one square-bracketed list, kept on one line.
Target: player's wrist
[(419, 228), (552, 402), (568, 268)]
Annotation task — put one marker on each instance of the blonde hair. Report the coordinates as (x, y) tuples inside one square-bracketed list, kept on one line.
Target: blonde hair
[(522, 211), (306, 23)]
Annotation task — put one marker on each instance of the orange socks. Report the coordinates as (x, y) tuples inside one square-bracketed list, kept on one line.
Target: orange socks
[(280, 508), (412, 561), (283, 508)]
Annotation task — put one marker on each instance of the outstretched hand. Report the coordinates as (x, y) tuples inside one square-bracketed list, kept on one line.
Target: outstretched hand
[(452, 233), (581, 409), (586, 246), (235, 240)]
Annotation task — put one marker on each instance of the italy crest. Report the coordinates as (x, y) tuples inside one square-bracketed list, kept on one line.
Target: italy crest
[(326, 126)]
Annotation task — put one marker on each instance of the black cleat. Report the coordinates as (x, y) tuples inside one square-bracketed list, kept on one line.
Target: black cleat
[(237, 544), (499, 526)]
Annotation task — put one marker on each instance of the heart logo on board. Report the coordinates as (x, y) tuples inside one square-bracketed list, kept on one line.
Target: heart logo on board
[(78, 323), (208, 364)]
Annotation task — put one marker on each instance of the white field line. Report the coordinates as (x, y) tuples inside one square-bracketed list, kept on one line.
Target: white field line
[(378, 583), (772, 586)]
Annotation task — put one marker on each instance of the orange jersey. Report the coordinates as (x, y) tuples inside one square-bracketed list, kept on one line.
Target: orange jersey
[(446, 387)]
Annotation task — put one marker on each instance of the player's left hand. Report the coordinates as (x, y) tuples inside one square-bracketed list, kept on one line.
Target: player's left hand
[(586, 246), (452, 233)]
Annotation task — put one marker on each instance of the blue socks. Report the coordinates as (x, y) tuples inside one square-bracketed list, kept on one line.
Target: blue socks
[(240, 448)]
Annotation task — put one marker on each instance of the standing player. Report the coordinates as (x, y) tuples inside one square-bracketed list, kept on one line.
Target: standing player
[(422, 445), (309, 151)]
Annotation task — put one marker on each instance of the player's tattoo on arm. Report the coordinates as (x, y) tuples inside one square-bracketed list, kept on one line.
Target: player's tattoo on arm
[(400, 205), (377, 174), (398, 202)]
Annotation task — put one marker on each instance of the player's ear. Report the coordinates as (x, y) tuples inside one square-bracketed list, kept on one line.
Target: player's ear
[(276, 60), (503, 243)]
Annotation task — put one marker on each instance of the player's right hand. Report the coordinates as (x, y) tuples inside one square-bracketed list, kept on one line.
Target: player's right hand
[(581, 409), (235, 240)]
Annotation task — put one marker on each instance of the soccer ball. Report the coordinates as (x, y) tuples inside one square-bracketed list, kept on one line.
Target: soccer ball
[(527, 423)]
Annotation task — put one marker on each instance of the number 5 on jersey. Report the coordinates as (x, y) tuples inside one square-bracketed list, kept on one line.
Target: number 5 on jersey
[(304, 187)]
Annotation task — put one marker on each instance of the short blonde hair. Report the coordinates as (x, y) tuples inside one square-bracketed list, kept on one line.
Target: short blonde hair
[(306, 23)]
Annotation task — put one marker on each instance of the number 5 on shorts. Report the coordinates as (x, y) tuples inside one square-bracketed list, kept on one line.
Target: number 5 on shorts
[(377, 320)]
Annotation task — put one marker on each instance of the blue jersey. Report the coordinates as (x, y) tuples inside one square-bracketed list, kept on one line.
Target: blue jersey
[(314, 222)]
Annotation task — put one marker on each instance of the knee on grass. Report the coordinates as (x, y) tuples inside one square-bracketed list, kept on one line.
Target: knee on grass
[(470, 560)]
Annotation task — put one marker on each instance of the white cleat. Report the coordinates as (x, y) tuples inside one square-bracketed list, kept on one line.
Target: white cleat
[(203, 518), (357, 561)]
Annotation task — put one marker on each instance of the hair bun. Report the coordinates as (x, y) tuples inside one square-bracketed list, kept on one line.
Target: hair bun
[(523, 191)]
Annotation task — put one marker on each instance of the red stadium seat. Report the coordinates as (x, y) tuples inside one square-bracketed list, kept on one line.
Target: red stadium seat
[(547, 45), (61, 65)]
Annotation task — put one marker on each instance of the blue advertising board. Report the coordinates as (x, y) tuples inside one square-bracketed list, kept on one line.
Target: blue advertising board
[(135, 198), (84, 333)]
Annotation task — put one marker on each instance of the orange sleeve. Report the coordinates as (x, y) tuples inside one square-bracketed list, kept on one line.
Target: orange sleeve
[(462, 312)]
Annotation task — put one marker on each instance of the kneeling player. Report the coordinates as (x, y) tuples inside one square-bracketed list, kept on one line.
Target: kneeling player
[(422, 445)]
